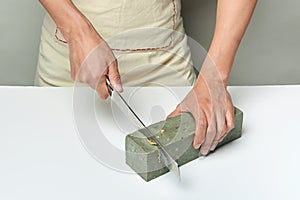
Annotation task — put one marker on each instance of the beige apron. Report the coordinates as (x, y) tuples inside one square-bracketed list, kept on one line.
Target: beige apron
[(146, 37)]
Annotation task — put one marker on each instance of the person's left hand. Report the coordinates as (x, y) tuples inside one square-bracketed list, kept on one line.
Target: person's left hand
[(213, 114)]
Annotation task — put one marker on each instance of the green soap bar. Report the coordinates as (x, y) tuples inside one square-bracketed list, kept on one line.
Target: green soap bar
[(176, 135)]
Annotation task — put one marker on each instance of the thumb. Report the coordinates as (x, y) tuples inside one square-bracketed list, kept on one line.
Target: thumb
[(114, 76), (177, 111)]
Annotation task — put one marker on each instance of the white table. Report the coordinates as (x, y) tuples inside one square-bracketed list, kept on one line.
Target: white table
[(41, 156)]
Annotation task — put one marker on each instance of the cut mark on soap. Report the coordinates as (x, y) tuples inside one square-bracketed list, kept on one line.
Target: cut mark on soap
[(152, 142)]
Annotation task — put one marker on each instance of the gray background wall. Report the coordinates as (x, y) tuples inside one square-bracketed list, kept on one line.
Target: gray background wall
[(20, 24), (269, 53)]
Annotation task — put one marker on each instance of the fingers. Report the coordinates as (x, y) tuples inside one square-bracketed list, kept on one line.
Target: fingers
[(200, 132), (101, 88), (212, 125), (229, 123), (209, 139), (177, 111), (91, 62), (219, 139), (73, 73), (114, 76), (229, 119), (200, 119)]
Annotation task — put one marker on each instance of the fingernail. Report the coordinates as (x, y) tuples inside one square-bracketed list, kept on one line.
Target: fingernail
[(204, 152), (119, 88), (213, 147), (197, 146)]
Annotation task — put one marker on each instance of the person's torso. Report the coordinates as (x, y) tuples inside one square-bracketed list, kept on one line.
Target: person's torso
[(134, 24)]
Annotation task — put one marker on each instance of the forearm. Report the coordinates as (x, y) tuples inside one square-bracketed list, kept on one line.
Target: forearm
[(232, 20), (70, 21)]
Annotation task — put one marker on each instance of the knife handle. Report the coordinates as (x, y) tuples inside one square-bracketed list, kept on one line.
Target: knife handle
[(110, 88)]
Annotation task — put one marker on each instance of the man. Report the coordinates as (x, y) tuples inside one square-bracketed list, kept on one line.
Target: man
[(74, 47)]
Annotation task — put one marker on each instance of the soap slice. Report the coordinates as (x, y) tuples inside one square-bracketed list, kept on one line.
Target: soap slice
[(176, 135)]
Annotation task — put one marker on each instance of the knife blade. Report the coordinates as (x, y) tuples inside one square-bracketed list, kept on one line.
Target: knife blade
[(169, 162)]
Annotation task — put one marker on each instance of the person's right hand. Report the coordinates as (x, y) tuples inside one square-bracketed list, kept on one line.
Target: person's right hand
[(91, 59)]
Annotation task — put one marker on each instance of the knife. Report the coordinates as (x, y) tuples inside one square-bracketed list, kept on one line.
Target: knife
[(169, 162)]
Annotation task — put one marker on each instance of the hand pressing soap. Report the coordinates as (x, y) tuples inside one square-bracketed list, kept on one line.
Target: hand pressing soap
[(176, 135)]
